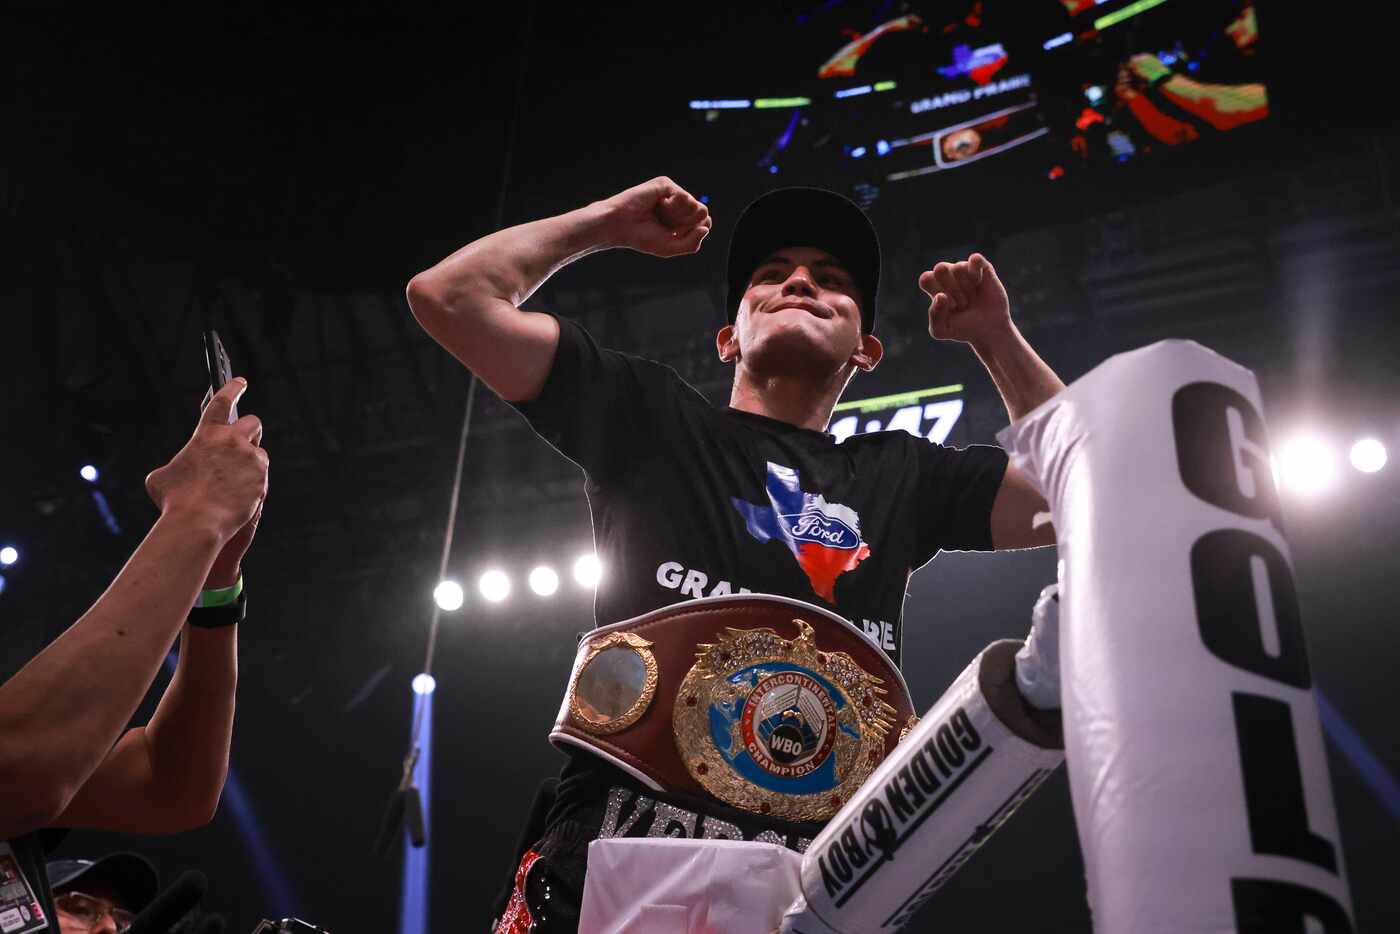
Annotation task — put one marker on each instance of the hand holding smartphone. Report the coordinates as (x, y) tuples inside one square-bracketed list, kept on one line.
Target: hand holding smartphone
[(220, 370)]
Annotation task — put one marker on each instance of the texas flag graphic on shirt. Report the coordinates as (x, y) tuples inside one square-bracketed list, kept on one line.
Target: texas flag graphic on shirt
[(823, 537)]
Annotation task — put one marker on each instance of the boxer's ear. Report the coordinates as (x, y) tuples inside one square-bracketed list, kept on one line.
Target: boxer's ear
[(727, 344), (867, 356)]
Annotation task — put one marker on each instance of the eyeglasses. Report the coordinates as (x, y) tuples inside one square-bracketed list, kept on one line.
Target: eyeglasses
[(88, 911)]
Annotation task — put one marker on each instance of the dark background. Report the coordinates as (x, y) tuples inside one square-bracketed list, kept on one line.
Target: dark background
[(282, 172)]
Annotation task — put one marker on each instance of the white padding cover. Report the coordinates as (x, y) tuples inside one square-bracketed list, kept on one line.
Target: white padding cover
[(929, 806), (1158, 761), (682, 886)]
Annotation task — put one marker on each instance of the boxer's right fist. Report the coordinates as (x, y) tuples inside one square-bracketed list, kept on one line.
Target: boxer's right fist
[(657, 217), (219, 478)]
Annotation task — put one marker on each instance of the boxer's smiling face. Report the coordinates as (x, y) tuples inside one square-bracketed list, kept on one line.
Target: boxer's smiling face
[(799, 315)]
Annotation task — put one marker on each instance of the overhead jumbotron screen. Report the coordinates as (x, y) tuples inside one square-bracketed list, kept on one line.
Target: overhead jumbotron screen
[(879, 94)]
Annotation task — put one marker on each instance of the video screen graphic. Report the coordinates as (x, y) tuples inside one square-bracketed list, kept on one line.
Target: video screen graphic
[(876, 92), (1159, 75)]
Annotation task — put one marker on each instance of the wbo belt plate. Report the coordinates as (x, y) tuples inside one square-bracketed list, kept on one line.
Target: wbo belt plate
[(778, 727)]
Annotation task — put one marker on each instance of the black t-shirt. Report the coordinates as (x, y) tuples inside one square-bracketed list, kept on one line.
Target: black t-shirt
[(691, 500)]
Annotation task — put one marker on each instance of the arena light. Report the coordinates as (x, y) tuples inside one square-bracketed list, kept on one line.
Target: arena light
[(494, 585), (8, 555), (588, 571), (1127, 12), (767, 103), (448, 595), (1368, 455), (544, 581), (88, 473), (1307, 465), (424, 683), (720, 105)]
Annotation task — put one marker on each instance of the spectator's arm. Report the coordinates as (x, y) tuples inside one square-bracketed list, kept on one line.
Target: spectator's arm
[(167, 776), (1163, 128), (62, 712), (1223, 106)]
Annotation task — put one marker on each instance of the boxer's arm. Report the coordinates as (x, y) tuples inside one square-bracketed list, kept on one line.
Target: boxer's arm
[(1022, 378), (470, 301), (1024, 381), (968, 303), (1020, 515)]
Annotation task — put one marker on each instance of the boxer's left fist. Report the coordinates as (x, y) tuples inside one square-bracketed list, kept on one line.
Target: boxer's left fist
[(967, 302)]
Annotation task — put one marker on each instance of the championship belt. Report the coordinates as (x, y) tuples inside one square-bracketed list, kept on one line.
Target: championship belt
[(764, 703)]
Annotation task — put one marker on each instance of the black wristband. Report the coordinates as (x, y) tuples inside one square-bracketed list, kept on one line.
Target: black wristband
[(217, 617)]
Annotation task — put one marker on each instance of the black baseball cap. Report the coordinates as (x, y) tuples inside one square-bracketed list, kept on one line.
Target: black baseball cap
[(130, 874), (812, 217)]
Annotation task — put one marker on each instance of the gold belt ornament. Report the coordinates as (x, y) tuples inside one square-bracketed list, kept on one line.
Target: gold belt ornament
[(778, 727)]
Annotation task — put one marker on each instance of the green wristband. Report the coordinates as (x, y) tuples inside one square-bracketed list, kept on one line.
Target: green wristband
[(221, 596)]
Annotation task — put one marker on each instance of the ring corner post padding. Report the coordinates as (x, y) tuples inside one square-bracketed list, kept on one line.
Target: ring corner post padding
[(957, 776), (1195, 754)]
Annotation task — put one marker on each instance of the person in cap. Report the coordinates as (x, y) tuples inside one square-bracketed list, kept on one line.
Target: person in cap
[(102, 896), (694, 500)]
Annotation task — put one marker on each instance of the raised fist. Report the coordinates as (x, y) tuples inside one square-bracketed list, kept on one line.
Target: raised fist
[(967, 302), (657, 217)]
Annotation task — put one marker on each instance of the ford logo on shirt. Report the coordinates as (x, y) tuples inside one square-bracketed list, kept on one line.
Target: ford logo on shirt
[(813, 526), (823, 536)]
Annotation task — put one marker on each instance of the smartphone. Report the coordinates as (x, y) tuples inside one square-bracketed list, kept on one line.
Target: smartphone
[(220, 370)]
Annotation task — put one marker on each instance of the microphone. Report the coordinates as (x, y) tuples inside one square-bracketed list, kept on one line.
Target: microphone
[(390, 825), (172, 904), (405, 812), (413, 817)]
